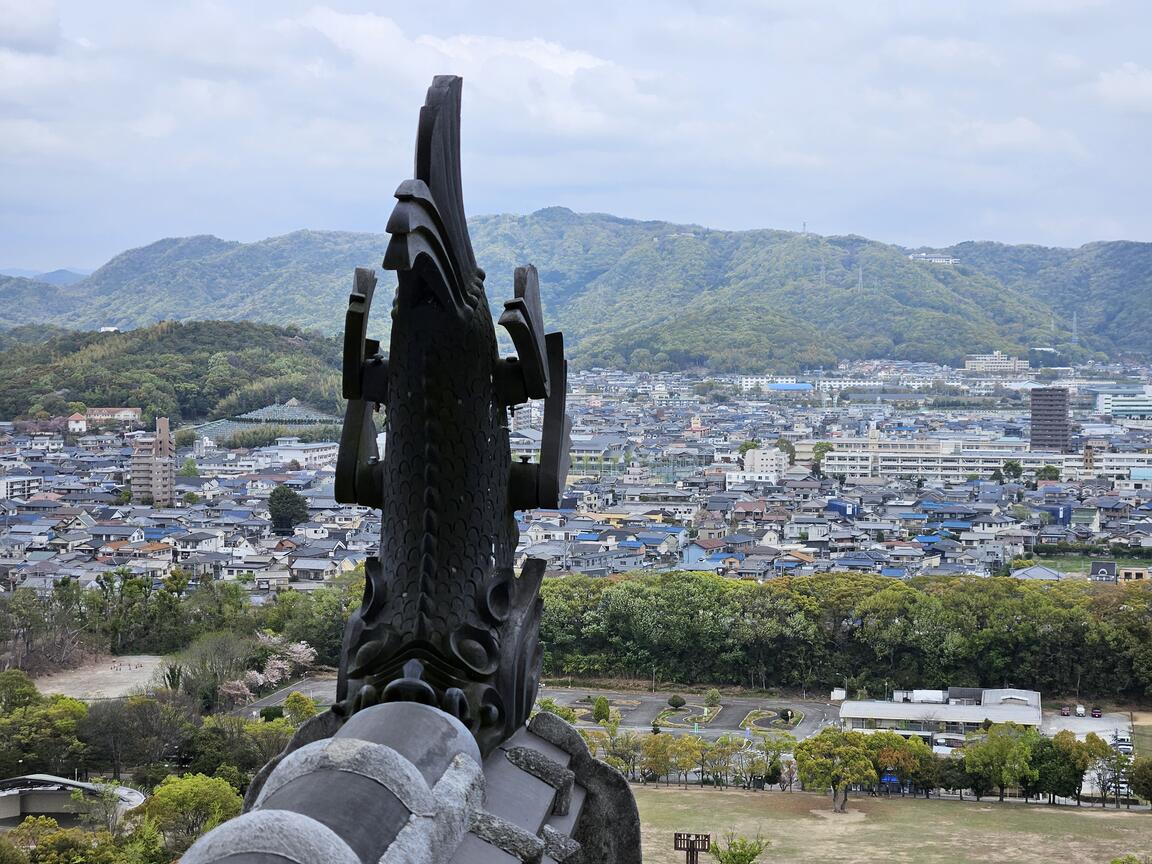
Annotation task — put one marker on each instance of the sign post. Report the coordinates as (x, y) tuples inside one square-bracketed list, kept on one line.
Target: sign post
[(692, 845)]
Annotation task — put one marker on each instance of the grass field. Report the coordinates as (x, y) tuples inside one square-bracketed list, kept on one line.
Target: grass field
[(803, 830), (1079, 563), (1142, 734)]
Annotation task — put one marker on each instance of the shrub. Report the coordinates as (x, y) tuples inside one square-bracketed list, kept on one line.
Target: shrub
[(601, 710)]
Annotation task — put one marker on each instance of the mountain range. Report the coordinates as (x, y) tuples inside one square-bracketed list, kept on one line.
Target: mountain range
[(657, 295)]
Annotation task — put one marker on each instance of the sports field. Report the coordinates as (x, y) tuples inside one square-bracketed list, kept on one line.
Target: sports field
[(803, 830), (107, 678)]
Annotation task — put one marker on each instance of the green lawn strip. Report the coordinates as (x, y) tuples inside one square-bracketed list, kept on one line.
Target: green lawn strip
[(797, 716), (679, 718), (1080, 563), (1142, 739), (584, 709), (753, 719), (765, 720), (802, 829)]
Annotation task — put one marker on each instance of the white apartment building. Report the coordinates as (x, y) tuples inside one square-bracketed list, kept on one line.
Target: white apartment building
[(21, 486), (828, 385), (1137, 406), (997, 361), (307, 456), (955, 460), (934, 258), (752, 382), (766, 460), (761, 465), (1113, 466)]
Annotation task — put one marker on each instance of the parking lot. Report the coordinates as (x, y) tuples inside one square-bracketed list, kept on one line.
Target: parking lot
[(1106, 727)]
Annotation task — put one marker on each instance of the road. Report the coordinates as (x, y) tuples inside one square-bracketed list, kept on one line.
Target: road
[(637, 710), (323, 690)]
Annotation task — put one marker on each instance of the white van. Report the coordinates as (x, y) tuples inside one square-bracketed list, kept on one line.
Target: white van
[(1080, 712)]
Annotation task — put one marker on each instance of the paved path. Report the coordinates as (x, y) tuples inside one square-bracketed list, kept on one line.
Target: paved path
[(323, 690), (732, 712), (637, 710)]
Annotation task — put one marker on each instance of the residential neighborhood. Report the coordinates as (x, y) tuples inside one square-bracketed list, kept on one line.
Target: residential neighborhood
[(748, 477)]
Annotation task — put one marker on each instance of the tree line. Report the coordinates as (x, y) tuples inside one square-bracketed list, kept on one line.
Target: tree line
[(126, 613), (1000, 757), (185, 371), (809, 632), (802, 633), (1003, 756), (195, 766)]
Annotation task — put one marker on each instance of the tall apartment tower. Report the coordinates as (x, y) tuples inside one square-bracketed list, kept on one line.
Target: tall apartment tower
[(153, 466), (1051, 428)]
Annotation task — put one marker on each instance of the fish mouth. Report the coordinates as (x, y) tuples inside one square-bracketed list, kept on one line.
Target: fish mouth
[(430, 270)]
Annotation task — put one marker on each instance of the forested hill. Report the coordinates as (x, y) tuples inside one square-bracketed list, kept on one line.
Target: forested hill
[(656, 294), (185, 371)]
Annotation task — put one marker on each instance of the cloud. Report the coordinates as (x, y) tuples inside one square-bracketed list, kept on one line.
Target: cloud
[(29, 25), (1019, 135), (245, 120), (1128, 86), (941, 53)]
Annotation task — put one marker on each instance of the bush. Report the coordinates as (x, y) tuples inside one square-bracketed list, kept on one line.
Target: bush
[(553, 707), (738, 850), (10, 854), (712, 698), (272, 712), (676, 700), (148, 777), (601, 710)]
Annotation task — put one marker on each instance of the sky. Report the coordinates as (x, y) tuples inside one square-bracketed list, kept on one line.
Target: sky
[(919, 123)]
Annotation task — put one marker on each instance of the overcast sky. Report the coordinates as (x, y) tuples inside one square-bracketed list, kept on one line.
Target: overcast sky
[(925, 122)]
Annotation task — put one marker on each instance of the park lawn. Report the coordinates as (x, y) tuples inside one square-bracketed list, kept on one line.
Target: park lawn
[(1142, 738), (1079, 563), (803, 830)]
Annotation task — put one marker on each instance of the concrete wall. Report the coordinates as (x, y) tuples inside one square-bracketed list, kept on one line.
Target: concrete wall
[(35, 802)]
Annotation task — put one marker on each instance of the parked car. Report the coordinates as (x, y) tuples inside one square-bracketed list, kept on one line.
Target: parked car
[(1096, 712), (1065, 710), (1080, 711)]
